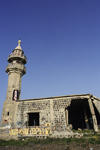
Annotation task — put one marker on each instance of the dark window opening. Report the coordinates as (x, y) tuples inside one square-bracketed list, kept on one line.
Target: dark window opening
[(33, 119), (7, 113)]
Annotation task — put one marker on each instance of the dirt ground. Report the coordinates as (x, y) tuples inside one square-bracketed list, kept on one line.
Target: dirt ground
[(71, 146)]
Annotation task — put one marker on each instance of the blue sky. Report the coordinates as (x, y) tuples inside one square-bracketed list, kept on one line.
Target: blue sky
[(61, 40)]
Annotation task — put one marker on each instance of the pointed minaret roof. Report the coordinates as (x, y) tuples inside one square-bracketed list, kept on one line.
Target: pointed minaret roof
[(19, 47)]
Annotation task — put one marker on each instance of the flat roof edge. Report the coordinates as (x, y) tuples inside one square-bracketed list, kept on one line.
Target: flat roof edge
[(55, 97)]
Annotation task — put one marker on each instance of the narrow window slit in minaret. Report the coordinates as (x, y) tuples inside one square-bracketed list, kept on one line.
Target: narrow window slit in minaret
[(7, 113)]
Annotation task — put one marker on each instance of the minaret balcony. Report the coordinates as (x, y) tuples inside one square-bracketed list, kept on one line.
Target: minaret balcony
[(15, 66), (17, 56)]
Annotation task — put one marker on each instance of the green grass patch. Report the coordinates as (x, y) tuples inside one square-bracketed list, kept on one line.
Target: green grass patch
[(94, 139), (10, 142)]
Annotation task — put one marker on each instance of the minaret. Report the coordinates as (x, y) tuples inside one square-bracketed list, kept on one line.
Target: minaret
[(15, 70)]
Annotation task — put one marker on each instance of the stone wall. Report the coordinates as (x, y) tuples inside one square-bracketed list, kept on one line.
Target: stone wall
[(42, 107), (59, 106), (52, 115), (50, 110)]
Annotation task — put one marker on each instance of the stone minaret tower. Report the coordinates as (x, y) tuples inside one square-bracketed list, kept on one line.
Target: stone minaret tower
[(15, 70)]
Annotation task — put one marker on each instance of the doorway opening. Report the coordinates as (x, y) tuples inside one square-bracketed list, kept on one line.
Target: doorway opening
[(76, 115), (33, 119)]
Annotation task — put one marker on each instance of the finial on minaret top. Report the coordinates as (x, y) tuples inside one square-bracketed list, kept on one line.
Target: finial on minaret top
[(19, 47), (19, 42)]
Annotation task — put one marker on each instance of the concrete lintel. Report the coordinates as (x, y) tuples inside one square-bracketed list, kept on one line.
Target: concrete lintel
[(33, 111)]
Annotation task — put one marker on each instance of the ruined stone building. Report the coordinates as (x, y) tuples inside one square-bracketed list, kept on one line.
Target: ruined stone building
[(64, 112)]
